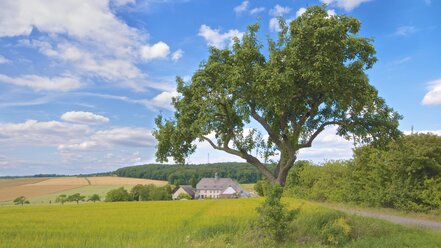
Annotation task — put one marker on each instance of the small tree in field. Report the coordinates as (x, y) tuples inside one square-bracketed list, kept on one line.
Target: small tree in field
[(313, 77), (94, 198), (21, 201), (61, 199), (77, 197)]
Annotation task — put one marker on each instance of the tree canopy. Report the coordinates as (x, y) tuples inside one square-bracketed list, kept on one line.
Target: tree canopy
[(77, 197), (313, 77), (21, 200)]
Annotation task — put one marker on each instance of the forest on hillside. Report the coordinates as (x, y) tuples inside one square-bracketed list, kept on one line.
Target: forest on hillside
[(178, 174)]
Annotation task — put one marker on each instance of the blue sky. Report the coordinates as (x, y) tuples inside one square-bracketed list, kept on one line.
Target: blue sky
[(81, 81)]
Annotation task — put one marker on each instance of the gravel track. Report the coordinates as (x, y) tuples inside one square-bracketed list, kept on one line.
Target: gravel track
[(395, 219)]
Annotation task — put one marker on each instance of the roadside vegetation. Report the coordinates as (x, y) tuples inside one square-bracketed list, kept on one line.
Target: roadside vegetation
[(406, 175)]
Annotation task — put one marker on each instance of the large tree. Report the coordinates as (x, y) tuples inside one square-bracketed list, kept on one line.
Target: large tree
[(312, 77)]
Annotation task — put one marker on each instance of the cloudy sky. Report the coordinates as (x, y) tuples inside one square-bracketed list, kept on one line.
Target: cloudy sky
[(82, 80)]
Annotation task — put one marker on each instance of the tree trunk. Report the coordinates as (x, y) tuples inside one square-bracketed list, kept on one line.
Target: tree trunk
[(284, 170)]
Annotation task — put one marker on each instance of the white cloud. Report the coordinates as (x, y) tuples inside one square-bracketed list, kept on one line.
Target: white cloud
[(36, 133), (87, 62), (79, 18), (331, 12), (39, 83), (217, 39), (328, 146), (405, 30), (87, 35), (433, 97), (348, 5), (177, 55), (274, 24), (300, 12), (84, 117), (279, 10), (109, 139), (164, 99), (241, 8), (257, 10), (50, 146), (4, 60), (159, 50)]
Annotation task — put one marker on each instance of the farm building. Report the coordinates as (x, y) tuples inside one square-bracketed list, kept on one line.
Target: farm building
[(219, 188), (184, 189)]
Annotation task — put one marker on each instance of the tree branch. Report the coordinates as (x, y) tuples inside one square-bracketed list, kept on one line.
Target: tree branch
[(318, 131), (267, 127), (249, 158)]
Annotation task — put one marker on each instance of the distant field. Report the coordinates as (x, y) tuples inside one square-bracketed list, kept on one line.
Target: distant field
[(205, 223), (248, 186), (43, 190)]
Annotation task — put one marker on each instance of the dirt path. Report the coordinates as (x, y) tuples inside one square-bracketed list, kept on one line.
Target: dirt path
[(88, 181), (394, 218)]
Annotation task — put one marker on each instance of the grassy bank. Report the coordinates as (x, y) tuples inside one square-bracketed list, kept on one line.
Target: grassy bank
[(210, 223)]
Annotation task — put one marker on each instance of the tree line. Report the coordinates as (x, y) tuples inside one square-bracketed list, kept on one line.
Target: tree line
[(137, 193), (178, 174), (405, 175), (140, 193)]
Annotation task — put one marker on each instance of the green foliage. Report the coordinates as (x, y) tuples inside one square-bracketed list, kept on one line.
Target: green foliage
[(329, 182), (190, 174), (94, 198), (313, 77), (184, 196), (119, 194), (150, 193), (194, 181), (405, 175), (21, 201), (337, 232), (274, 217), (77, 197), (61, 198), (261, 186)]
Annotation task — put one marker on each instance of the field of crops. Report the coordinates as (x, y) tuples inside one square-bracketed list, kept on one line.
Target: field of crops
[(208, 223), (45, 190)]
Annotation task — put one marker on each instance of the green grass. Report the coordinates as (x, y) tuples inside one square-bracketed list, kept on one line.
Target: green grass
[(207, 223)]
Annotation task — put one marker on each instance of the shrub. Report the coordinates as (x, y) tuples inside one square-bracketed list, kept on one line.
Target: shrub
[(119, 194), (184, 196), (336, 232), (261, 186), (274, 218)]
